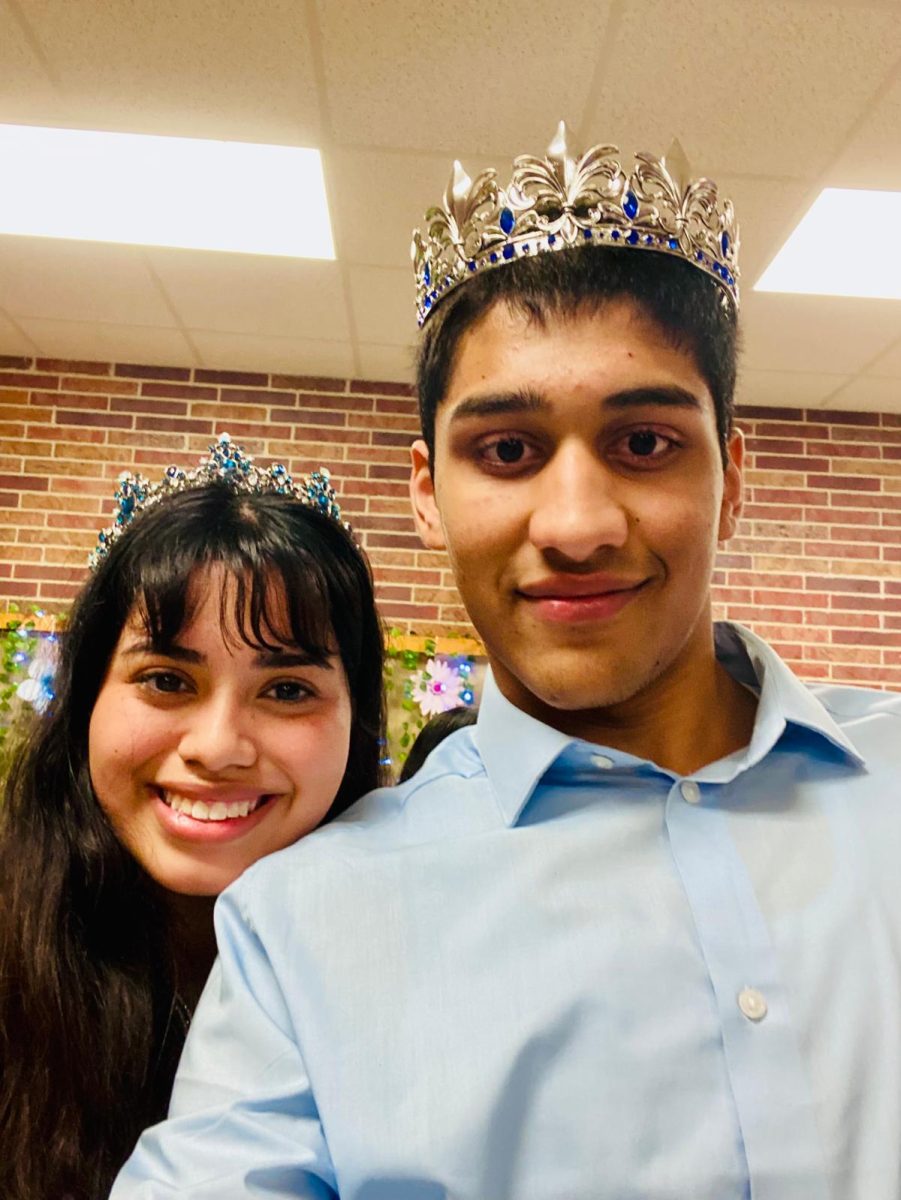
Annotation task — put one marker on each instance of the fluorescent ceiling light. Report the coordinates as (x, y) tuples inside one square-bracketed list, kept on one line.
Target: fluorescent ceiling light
[(163, 191), (846, 245)]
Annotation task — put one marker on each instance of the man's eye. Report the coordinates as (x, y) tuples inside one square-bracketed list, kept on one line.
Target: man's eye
[(510, 450), (504, 451), (647, 445)]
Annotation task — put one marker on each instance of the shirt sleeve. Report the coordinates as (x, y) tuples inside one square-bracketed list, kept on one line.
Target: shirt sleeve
[(243, 1120)]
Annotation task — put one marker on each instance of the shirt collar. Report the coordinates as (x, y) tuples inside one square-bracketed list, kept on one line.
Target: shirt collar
[(783, 698), (517, 749)]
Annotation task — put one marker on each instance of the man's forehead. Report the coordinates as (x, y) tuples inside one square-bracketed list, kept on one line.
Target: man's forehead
[(614, 355)]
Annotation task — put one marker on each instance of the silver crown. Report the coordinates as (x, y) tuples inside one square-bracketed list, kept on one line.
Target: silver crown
[(569, 199), (228, 464)]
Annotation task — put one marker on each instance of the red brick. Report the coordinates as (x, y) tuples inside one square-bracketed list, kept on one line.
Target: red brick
[(173, 425), (178, 391), (231, 378), (839, 583), (139, 371), (12, 379), (31, 483), (255, 396), (381, 389), (105, 420), (11, 362), (115, 387), (842, 417), (309, 383), (68, 400), (64, 366), (839, 483), (146, 404)]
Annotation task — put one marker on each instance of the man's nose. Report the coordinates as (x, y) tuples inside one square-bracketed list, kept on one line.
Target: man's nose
[(579, 507)]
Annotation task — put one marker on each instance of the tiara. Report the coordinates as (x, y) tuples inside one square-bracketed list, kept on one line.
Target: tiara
[(228, 464), (568, 199)]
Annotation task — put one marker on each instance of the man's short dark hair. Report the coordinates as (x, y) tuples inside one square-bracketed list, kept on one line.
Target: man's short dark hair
[(681, 301)]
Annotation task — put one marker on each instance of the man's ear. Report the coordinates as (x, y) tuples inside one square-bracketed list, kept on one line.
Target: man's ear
[(422, 497), (733, 486)]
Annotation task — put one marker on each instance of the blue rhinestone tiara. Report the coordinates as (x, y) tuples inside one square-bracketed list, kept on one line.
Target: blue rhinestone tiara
[(226, 463), (569, 199)]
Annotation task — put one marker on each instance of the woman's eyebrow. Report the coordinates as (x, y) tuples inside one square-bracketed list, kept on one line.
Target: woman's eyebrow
[(293, 658), (179, 653)]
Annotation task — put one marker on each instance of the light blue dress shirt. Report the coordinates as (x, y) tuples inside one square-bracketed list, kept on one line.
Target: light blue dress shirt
[(548, 970)]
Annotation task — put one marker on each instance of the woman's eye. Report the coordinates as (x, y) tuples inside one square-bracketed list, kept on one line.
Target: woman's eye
[(166, 682), (290, 690)]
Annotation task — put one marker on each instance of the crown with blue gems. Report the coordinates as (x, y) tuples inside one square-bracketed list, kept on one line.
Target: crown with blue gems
[(569, 199), (226, 463)]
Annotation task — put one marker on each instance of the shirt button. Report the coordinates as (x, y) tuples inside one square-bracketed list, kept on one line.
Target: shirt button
[(752, 1004), (602, 761), (690, 791)]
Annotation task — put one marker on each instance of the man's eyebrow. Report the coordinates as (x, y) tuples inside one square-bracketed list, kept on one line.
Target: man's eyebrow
[(667, 396), (497, 403)]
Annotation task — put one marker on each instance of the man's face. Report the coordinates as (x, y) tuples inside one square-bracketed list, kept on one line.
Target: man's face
[(579, 490)]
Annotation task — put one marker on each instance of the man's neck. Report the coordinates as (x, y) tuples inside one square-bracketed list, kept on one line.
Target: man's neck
[(692, 715)]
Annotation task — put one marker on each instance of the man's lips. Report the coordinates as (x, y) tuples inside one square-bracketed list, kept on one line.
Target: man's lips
[(580, 598), (567, 587)]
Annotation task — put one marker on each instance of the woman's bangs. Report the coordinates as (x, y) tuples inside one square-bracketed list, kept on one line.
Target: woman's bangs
[(278, 604)]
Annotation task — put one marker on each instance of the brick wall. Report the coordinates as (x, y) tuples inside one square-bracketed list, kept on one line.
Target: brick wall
[(816, 567)]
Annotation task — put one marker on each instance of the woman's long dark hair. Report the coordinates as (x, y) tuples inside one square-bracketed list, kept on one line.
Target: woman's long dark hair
[(88, 1047)]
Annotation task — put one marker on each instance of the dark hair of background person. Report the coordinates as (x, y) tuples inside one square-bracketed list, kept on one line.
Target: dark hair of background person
[(678, 298), (88, 1040), (432, 733)]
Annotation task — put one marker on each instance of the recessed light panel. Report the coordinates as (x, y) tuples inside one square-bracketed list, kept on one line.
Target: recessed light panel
[(846, 245), (163, 191)]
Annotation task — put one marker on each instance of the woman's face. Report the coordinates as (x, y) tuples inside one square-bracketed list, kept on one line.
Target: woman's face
[(213, 754)]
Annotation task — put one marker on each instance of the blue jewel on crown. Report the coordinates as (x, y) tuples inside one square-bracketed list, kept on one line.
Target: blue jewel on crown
[(226, 463), (567, 199)]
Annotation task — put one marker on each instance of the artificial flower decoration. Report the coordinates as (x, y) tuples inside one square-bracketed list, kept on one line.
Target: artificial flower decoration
[(37, 689), (438, 688)]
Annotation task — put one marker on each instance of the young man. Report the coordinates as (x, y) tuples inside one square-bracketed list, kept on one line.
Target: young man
[(637, 935)]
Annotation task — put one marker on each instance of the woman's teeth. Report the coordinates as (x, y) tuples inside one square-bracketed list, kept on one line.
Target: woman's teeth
[(218, 810)]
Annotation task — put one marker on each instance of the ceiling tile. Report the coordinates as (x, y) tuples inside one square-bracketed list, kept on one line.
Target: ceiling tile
[(254, 294), (394, 363), (377, 198), (295, 356), (25, 86), (888, 365), (767, 211), (110, 343), (464, 79), (868, 394), (806, 389), (758, 88), (205, 69), (12, 339), (53, 278), (383, 305), (833, 335), (873, 157)]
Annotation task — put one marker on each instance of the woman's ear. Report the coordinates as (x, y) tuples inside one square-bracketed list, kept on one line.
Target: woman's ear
[(422, 497)]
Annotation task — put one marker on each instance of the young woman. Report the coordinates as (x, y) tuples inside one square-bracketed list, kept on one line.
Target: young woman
[(219, 695)]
